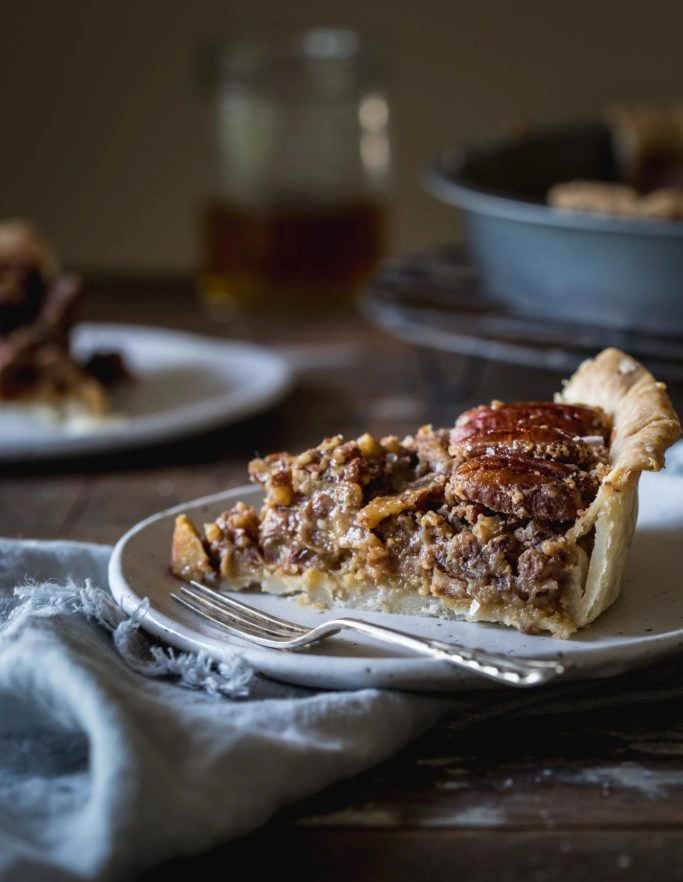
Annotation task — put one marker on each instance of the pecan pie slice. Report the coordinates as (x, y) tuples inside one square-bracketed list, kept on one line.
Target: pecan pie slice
[(521, 514)]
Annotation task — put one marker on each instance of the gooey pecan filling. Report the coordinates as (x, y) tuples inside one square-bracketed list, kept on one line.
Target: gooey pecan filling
[(479, 512)]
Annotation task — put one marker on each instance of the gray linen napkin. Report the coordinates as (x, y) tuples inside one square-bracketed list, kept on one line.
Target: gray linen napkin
[(117, 753), (108, 761)]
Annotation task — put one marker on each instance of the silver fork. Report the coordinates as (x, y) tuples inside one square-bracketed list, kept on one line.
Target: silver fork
[(265, 629)]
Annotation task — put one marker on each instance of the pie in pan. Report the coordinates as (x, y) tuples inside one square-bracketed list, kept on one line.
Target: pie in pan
[(520, 514)]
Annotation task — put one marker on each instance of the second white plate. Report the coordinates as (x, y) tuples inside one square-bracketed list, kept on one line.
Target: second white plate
[(646, 622), (184, 384)]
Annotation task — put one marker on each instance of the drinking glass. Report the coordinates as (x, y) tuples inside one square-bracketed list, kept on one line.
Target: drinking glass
[(296, 208)]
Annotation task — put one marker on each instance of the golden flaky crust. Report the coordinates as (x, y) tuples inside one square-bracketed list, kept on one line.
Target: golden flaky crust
[(644, 426), (644, 422)]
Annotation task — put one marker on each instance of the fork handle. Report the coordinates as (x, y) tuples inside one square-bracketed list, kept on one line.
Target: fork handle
[(515, 672)]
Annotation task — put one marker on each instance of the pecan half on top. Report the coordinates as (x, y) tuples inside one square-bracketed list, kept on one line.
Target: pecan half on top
[(538, 442), (574, 419), (525, 487)]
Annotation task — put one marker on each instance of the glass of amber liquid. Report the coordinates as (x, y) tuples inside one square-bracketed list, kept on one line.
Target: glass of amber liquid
[(296, 211)]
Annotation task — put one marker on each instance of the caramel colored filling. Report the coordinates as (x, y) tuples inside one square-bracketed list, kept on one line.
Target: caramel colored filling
[(479, 513)]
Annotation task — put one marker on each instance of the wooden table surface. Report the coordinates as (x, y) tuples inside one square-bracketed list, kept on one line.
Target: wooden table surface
[(559, 797)]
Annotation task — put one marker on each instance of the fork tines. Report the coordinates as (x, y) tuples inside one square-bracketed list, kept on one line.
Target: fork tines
[(234, 616)]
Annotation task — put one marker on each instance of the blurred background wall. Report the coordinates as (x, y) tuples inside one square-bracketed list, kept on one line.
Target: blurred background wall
[(99, 135)]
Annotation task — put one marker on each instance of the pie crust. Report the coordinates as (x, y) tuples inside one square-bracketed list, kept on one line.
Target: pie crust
[(617, 200), (532, 534), (644, 425)]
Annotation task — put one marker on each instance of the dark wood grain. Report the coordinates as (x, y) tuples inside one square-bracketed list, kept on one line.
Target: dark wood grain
[(553, 799), (541, 799)]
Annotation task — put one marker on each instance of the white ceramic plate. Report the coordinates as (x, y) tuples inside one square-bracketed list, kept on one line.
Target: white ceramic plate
[(184, 384), (646, 621)]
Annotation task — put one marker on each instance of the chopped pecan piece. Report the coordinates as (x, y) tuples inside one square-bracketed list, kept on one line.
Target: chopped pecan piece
[(423, 492), (575, 419), (524, 487), (433, 455), (235, 534)]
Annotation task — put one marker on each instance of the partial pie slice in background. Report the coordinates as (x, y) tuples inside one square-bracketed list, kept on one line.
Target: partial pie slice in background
[(39, 305)]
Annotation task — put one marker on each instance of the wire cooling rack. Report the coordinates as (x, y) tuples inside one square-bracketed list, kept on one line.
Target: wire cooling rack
[(435, 301)]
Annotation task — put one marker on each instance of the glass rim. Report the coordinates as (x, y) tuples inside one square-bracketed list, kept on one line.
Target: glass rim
[(244, 55)]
